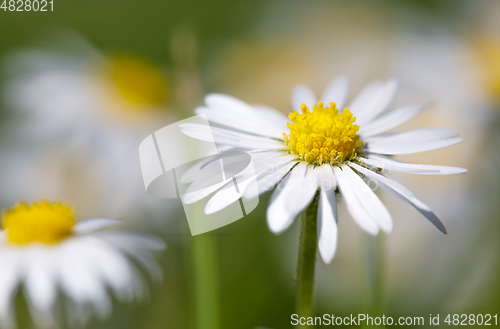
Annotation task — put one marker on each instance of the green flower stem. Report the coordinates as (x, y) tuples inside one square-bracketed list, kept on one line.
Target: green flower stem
[(374, 276), (187, 91), (307, 261), (205, 280)]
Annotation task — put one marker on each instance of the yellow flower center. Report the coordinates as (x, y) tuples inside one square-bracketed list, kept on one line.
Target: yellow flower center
[(323, 135), (137, 81), (488, 50), (39, 222)]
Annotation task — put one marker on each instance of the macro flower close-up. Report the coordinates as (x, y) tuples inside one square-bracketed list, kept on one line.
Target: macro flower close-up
[(328, 147), (308, 164)]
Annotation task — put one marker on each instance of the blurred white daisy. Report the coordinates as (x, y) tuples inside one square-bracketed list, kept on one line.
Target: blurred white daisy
[(324, 148), (82, 114), (44, 249)]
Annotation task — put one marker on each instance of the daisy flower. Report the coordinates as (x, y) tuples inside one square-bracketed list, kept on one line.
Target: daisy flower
[(43, 249), (82, 112), (323, 148)]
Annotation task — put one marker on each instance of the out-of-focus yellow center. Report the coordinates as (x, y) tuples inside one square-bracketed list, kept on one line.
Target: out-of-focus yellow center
[(138, 82), (39, 222), (488, 50), (323, 135)]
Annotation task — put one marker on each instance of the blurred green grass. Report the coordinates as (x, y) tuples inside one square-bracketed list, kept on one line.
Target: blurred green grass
[(142, 27)]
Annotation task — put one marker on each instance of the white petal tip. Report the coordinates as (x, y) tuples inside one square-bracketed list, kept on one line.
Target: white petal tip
[(372, 232), (387, 226), (208, 211), (387, 230), (275, 228), (327, 257), (188, 200), (94, 224), (443, 230), (211, 209), (159, 244)]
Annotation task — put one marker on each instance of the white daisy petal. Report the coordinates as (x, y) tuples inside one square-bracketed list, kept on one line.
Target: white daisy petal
[(303, 95), (403, 193), (419, 135), (389, 147), (115, 270), (208, 180), (368, 200), (193, 195), (269, 165), (267, 180), (230, 111), (142, 242), (364, 97), (228, 137), (410, 168), (358, 213), (94, 224), (79, 279), (390, 120), (41, 282), (138, 247), (290, 198), (278, 119), (377, 103), (228, 195), (255, 124), (227, 103), (209, 171), (336, 92), (192, 173), (11, 261), (325, 177), (327, 224)]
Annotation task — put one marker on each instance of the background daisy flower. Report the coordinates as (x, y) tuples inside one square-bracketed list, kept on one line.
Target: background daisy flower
[(44, 249), (78, 116)]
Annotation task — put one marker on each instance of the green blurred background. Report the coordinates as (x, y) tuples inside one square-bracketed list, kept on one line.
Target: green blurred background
[(444, 50)]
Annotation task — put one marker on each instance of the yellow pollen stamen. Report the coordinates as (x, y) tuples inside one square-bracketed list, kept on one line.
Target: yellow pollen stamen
[(324, 135), (39, 222)]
